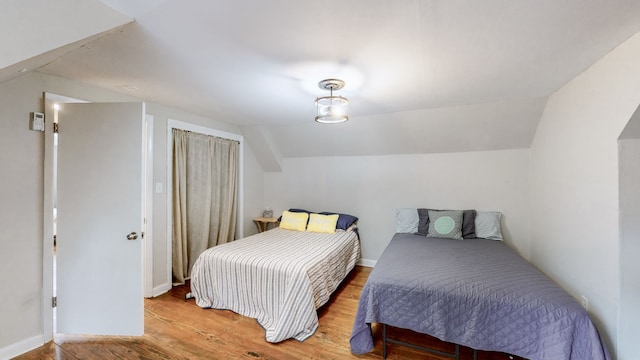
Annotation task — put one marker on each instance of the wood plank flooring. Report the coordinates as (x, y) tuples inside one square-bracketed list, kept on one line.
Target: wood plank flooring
[(178, 329)]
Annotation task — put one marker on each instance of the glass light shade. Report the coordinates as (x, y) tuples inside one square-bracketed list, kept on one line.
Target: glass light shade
[(332, 109)]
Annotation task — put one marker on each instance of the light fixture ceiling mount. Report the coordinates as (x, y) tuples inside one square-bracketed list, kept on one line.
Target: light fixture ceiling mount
[(331, 109)]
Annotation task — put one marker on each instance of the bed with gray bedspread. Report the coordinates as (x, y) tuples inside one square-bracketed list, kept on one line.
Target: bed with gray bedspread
[(477, 293)]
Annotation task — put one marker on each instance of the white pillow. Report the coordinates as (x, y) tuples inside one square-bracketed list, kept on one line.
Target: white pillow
[(407, 221), (488, 225)]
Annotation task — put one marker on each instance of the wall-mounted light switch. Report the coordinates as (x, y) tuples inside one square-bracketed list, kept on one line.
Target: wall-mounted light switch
[(36, 121)]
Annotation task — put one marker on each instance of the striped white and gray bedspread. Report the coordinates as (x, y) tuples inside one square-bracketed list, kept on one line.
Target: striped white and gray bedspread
[(279, 277)]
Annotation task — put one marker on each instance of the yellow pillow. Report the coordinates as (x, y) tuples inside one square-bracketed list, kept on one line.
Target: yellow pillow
[(294, 221), (323, 223)]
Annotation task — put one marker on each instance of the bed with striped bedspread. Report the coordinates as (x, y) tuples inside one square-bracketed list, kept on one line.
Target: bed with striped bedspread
[(279, 277)]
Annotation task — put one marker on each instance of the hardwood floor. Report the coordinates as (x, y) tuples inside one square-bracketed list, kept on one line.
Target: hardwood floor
[(178, 329)]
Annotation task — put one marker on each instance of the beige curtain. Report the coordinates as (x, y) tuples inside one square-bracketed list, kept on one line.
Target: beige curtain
[(205, 182)]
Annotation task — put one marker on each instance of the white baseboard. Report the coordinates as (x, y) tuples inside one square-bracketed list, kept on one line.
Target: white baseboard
[(367, 262), (21, 347), (159, 290)]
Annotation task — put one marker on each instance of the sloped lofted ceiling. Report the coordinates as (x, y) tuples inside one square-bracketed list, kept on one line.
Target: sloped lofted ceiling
[(36, 32), (422, 76)]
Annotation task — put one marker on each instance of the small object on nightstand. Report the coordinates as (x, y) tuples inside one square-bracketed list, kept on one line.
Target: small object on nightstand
[(263, 223), (268, 213)]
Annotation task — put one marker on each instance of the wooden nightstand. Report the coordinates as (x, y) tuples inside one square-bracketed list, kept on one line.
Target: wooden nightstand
[(263, 223)]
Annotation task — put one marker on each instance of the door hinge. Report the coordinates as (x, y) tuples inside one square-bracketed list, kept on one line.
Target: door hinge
[(55, 128), (54, 301)]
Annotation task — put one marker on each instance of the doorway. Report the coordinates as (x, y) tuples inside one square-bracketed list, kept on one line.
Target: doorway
[(51, 201), (629, 248)]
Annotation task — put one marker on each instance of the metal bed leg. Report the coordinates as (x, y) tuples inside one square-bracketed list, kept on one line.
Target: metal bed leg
[(384, 341)]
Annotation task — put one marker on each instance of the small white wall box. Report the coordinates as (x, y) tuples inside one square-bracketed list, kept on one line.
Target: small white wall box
[(36, 121)]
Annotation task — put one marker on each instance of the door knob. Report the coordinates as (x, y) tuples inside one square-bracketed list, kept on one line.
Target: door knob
[(132, 236)]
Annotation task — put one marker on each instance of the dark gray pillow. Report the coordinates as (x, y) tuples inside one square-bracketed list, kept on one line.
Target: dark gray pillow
[(468, 223), (423, 222)]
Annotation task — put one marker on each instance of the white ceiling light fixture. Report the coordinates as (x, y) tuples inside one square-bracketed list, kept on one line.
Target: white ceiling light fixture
[(331, 109)]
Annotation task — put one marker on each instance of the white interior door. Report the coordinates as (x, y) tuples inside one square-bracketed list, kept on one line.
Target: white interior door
[(99, 202)]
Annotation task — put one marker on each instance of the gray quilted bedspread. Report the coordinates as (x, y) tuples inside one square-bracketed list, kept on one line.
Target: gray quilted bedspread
[(476, 293)]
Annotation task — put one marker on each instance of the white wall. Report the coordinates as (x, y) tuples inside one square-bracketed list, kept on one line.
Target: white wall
[(373, 187), (21, 194), (629, 347), (253, 190), (574, 181), (21, 216)]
